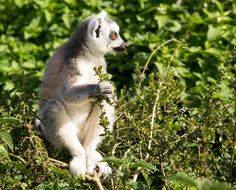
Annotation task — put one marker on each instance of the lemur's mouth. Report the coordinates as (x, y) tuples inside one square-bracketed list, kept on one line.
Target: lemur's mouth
[(121, 48)]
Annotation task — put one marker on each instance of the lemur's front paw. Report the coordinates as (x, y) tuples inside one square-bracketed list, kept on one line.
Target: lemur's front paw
[(105, 89), (78, 166)]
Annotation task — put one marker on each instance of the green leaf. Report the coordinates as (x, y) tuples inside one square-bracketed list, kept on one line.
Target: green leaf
[(19, 3), (162, 20), (48, 16), (56, 185), (182, 71), (195, 18), (194, 49), (219, 6), (184, 178), (213, 32), (199, 184), (160, 67), (7, 139), (2, 149), (143, 165), (71, 2), (113, 160), (174, 27), (66, 17)]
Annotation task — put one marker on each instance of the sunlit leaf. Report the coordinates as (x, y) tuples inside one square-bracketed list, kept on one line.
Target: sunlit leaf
[(213, 32), (143, 165), (6, 137)]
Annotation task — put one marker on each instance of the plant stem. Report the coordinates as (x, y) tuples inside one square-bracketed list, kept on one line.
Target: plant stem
[(59, 163), (149, 59), (164, 176), (152, 123)]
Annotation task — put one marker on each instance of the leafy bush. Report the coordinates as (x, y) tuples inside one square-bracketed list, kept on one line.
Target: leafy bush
[(175, 107)]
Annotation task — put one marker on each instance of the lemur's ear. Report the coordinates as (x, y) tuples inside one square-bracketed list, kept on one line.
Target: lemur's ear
[(102, 14), (99, 23), (96, 25), (97, 28)]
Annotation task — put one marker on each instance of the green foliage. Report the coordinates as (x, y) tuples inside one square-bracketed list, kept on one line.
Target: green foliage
[(175, 106), (127, 168), (199, 184)]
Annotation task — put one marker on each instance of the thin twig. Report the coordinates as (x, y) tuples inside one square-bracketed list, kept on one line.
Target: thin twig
[(157, 96), (152, 123), (234, 134), (149, 59), (164, 175), (171, 59), (114, 148), (59, 163), (137, 172), (231, 162), (96, 180)]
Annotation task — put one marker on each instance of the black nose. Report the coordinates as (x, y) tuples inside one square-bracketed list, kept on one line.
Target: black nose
[(122, 47)]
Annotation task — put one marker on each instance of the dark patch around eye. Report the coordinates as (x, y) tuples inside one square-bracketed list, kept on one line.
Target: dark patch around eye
[(97, 31), (113, 35)]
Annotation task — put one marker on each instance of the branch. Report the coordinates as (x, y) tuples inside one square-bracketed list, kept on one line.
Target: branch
[(149, 59), (137, 172), (59, 163), (96, 180), (152, 123)]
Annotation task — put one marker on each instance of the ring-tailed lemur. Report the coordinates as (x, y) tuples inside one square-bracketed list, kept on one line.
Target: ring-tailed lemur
[(69, 117)]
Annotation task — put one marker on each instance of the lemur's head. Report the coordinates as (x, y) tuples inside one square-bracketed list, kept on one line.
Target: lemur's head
[(103, 34)]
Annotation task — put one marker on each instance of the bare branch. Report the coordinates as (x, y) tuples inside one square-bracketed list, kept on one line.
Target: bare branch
[(59, 163), (152, 123)]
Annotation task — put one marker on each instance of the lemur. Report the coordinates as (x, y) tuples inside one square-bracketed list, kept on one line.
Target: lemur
[(70, 119)]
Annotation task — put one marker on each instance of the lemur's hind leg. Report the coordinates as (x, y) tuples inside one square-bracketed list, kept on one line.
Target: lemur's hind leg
[(92, 140), (59, 129)]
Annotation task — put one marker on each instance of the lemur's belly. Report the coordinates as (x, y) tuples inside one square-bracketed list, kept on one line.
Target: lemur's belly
[(85, 114), (79, 112)]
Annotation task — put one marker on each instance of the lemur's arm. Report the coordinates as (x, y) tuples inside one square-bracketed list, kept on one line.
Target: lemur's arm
[(81, 92), (75, 86)]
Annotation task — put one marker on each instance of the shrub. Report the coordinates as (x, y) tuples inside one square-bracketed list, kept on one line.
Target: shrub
[(175, 107)]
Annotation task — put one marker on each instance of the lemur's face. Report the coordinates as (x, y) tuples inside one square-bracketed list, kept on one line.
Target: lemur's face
[(105, 34)]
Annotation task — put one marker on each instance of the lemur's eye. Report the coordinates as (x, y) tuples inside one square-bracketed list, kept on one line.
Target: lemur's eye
[(113, 36)]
